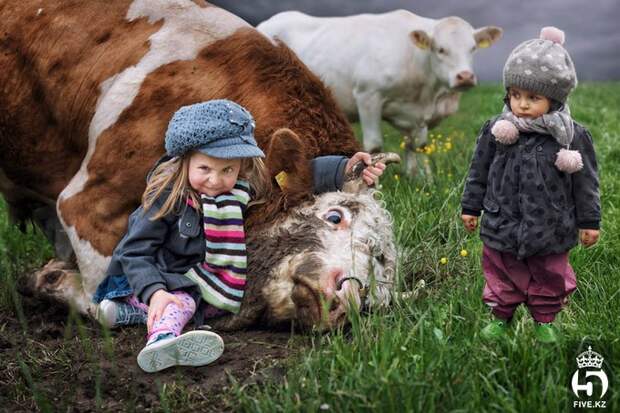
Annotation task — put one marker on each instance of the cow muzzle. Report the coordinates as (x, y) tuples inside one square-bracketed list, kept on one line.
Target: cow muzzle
[(325, 307), (464, 80)]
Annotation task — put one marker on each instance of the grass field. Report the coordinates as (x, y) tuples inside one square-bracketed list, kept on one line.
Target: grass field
[(424, 353)]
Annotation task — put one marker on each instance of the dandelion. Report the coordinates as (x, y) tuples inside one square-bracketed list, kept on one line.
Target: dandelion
[(443, 261), (402, 145), (396, 177), (463, 253), (448, 145)]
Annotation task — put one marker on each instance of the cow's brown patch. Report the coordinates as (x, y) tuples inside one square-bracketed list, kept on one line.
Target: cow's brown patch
[(51, 71), (245, 67)]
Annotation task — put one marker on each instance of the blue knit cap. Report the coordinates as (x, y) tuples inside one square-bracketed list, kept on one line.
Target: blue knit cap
[(217, 128)]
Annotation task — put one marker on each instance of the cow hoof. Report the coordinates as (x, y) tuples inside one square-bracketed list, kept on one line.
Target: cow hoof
[(50, 278), (25, 286)]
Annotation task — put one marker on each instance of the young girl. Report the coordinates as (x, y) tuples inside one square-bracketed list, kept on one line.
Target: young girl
[(184, 251), (534, 174)]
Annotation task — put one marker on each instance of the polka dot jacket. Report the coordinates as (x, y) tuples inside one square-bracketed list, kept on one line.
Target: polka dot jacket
[(530, 207)]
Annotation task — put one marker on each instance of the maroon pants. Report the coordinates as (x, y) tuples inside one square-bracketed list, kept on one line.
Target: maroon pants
[(543, 283)]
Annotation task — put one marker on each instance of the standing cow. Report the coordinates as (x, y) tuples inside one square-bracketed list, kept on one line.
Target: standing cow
[(406, 69), (88, 88)]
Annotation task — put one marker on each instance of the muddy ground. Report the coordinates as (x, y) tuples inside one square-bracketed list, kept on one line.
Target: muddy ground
[(59, 361)]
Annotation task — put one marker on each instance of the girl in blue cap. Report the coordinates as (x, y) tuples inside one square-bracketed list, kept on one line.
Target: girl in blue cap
[(185, 245)]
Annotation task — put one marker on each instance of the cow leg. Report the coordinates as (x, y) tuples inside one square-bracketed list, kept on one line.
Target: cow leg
[(48, 221), (369, 106), (61, 281), (418, 138)]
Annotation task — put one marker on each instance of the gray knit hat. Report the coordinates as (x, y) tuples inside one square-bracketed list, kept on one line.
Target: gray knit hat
[(218, 128), (542, 66)]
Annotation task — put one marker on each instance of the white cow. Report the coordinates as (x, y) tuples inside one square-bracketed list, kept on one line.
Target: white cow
[(398, 66)]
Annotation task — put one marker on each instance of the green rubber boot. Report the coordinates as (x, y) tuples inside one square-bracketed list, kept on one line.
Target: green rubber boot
[(495, 330), (546, 333)]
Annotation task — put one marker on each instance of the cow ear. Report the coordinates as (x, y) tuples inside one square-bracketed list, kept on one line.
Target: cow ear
[(486, 36), (421, 39), (353, 182), (288, 163)]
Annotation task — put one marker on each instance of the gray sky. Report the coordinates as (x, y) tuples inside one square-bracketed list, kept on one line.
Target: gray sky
[(592, 36)]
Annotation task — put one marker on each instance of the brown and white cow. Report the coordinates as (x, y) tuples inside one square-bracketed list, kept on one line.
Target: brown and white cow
[(88, 88)]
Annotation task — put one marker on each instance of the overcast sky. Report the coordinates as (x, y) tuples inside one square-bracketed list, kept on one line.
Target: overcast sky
[(591, 26)]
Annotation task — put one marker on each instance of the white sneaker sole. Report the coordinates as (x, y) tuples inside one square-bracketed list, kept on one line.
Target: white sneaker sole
[(195, 348)]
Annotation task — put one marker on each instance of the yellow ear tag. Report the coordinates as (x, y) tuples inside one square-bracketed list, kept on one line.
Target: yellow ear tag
[(423, 44), (483, 44), (281, 179)]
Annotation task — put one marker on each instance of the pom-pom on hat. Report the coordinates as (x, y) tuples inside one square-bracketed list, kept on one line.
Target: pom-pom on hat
[(542, 66), (217, 128)]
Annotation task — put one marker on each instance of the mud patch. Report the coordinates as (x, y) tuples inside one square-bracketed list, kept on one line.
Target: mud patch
[(64, 362)]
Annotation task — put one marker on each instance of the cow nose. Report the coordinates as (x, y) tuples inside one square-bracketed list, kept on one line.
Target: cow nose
[(333, 277), (465, 78)]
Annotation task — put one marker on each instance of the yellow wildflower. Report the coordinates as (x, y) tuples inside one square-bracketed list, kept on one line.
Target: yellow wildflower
[(463, 253), (396, 177), (443, 261)]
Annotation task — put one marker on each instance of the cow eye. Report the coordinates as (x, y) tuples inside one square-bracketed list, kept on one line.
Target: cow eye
[(334, 216)]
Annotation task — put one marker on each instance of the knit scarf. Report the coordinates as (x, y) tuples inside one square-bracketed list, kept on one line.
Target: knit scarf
[(221, 277), (558, 124)]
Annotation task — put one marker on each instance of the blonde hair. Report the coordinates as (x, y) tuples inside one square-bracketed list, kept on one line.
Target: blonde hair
[(174, 174)]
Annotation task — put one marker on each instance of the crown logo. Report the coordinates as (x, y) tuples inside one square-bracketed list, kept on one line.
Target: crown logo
[(589, 359)]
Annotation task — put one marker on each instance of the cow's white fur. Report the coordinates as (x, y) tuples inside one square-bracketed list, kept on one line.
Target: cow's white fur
[(375, 70), (187, 29)]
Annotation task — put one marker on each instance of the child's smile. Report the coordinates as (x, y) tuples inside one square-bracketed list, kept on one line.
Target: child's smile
[(212, 176)]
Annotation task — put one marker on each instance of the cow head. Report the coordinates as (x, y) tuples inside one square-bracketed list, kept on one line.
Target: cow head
[(451, 46), (325, 256)]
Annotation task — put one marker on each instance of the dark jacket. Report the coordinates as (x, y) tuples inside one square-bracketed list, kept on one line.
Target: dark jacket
[(530, 207), (155, 254)]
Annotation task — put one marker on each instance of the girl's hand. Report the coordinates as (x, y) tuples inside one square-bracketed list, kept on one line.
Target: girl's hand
[(159, 301), (470, 222), (588, 237), (371, 173)]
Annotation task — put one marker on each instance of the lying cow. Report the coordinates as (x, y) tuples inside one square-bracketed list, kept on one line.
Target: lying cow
[(89, 87), (406, 69)]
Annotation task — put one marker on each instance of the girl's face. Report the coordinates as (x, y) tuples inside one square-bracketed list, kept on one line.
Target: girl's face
[(526, 104), (212, 176)]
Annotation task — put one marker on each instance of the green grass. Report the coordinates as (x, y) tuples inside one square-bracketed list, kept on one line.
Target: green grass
[(424, 353)]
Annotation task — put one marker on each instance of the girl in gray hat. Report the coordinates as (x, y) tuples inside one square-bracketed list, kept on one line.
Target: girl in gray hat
[(184, 251), (534, 175)]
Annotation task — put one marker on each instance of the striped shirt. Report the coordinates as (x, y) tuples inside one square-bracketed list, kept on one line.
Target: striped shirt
[(221, 277)]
